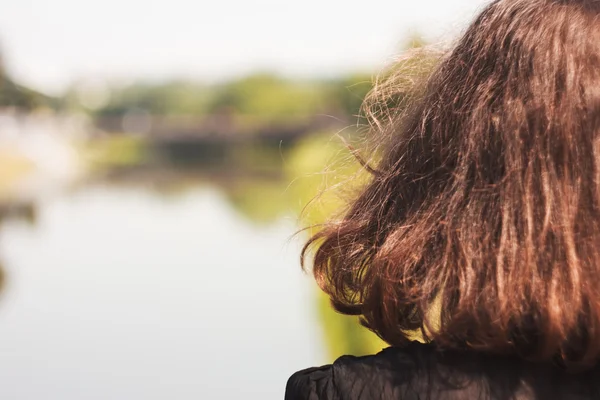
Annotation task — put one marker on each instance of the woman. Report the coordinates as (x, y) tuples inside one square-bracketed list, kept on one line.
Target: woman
[(480, 227)]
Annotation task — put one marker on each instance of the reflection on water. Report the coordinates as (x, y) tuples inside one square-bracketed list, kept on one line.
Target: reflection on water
[(120, 293)]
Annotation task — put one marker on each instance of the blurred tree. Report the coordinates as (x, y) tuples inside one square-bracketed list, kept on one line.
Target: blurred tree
[(259, 98), (348, 93), (256, 100), (170, 98), (265, 98), (13, 95)]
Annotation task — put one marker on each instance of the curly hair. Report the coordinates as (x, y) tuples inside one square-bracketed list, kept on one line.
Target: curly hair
[(485, 199)]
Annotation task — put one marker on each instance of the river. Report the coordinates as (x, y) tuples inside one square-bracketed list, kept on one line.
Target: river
[(118, 292)]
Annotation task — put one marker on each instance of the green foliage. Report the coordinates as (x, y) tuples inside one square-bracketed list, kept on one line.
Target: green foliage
[(259, 192), (264, 98), (348, 93), (260, 200), (256, 100), (13, 95), (114, 151), (172, 98), (324, 175), (344, 334)]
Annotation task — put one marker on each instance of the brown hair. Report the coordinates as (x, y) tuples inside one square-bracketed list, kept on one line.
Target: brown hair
[(486, 197)]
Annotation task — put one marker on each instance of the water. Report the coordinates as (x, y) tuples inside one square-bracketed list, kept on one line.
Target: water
[(121, 293)]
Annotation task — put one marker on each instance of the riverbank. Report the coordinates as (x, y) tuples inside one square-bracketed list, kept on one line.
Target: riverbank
[(263, 184)]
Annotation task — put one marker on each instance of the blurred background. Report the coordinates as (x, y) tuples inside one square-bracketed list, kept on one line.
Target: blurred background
[(155, 158)]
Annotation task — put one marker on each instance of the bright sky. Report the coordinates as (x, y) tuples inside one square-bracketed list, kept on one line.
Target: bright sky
[(48, 44)]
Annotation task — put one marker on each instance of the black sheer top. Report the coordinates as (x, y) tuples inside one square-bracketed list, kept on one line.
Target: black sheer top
[(420, 372)]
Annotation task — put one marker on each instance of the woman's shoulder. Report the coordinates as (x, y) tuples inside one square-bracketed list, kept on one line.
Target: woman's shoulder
[(311, 383), (424, 371), (357, 377)]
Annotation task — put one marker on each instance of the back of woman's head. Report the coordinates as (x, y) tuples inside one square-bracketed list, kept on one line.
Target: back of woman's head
[(485, 204)]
